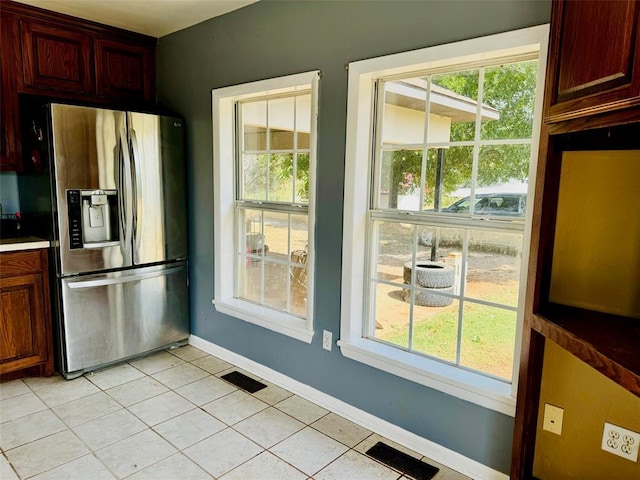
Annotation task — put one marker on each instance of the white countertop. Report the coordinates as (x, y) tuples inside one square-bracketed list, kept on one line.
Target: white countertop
[(22, 243)]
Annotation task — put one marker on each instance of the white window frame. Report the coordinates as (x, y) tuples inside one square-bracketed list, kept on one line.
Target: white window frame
[(224, 183), (467, 385)]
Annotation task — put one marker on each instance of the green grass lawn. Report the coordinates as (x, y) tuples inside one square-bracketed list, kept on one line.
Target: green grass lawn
[(488, 335)]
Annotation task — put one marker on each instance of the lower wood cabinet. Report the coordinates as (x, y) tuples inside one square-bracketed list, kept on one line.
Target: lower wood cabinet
[(25, 319)]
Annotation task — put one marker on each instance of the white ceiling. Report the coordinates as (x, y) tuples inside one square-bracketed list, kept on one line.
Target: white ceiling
[(151, 17)]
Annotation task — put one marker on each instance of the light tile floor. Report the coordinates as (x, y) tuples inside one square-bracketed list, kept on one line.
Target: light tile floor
[(169, 416)]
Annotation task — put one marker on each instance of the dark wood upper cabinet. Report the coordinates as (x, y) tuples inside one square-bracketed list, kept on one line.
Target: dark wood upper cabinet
[(594, 58), (121, 69), (10, 63), (57, 59), (47, 56)]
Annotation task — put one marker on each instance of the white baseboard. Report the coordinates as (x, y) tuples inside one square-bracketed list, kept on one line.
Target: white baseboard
[(429, 449)]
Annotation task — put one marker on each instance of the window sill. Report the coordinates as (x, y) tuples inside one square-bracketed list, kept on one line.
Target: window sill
[(280, 322), (469, 386)]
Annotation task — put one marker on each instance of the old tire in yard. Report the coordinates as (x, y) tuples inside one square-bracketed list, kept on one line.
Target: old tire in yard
[(429, 297), (426, 237), (430, 274)]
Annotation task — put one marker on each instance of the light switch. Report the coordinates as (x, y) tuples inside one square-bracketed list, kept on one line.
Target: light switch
[(552, 421)]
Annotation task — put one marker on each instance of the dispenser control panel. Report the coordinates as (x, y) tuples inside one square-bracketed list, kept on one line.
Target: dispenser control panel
[(74, 210)]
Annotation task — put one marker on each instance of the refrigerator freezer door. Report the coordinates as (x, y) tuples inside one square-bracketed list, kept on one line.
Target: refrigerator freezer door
[(160, 213), (89, 153), (113, 316)]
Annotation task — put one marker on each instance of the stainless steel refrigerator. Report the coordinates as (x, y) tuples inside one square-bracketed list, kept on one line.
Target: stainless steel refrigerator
[(119, 229)]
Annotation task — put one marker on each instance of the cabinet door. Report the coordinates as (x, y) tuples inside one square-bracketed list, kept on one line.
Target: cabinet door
[(23, 342), (594, 57), (57, 59), (125, 70), (9, 116)]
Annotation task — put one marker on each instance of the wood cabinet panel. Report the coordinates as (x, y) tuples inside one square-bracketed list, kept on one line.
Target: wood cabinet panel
[(19, 263), (594, 63), (585, 27), (19, 310), (57, 59), (121, 69), (10, 64), (25, 321)]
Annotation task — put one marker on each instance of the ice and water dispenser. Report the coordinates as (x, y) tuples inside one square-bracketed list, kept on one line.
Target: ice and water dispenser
[(93, 218)]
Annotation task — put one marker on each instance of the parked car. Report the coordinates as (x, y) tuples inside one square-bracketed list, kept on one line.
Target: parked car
[(486, 204), (504, 204)]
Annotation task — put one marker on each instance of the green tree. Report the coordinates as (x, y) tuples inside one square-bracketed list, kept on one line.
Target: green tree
[(275, 172), (509, 89)]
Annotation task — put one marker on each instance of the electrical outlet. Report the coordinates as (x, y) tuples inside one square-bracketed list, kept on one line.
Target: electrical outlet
[(326, 339), (620, 441), (552, 420)]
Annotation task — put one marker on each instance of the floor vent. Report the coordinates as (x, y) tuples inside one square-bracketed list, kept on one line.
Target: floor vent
[(398, 460), (240, 380)]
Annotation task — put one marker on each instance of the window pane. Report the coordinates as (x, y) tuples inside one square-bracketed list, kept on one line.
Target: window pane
[(391, 314), (403, 114), (272, 267), (302, 178), (281, 177), (281, 123), (493, 266), (454, 106), (448, 179), (503, 172), (250, 279), (298, 271), (488, 339), (395, 248), (303, 121), (254, 125), (299, 232), (275, 285), (510, 90), (435, 329), (400, 179), (251, 221), (282, 237), (254, 176), (276, 235), (428, 286), (438, 265), (286, 233), (250, 257)]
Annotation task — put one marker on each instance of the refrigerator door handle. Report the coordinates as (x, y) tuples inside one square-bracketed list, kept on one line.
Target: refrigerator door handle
[(137, 191), (126, 195), (124, 279)]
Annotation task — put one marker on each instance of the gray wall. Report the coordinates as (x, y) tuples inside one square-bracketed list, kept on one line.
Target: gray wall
[(273, 38)]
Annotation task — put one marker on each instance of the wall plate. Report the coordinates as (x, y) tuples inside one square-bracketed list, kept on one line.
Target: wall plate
[(620, 441), (552, 421)]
